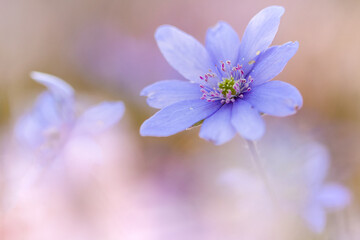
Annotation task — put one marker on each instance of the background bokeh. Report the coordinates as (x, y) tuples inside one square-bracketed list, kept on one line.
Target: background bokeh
[(157, 188)]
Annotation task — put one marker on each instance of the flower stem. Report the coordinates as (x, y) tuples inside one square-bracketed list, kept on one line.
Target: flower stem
[(259, 168)]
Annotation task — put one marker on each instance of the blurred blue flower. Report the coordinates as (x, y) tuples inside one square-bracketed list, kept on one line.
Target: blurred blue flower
[(321, 196), (298, 182), (52, 121), (229, 84)]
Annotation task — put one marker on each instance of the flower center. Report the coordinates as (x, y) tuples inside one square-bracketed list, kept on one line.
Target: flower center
[(230, 83)]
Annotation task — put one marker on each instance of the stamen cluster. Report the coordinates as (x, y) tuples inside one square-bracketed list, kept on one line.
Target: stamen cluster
[(227, 86)]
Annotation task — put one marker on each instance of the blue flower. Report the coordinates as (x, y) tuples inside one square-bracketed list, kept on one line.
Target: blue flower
[(321, 196), (298, 179), (53, 121), (229, 84)]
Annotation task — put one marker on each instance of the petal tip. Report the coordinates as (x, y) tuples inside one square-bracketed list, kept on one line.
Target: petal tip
[(161, 30), (297, 102), (143, 130), (214, 141), (148, 131), (33, 74), (300, 101), (254, 137), (299, 105), (280, 10), (294, 45), (52, 82), (120, 105), (144, 92), (218, 25), (291, 46), (40, 77)]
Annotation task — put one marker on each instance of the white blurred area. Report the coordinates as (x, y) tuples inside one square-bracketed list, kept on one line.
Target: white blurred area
[(67, 198)]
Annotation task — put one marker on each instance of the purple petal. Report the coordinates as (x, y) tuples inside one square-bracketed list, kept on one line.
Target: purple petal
[(334, 196), (62, 95), (164, 93), (247, 120), (217, 128), (44, 115), (100, 117), (223, 43), (57, 86), (259, 34), (272, 62), (28, 130), (275, 98), (316, 166), (183, 52), (177, 117), (316, 218), (48, 111)]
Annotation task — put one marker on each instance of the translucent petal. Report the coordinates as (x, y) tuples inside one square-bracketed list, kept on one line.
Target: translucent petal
[(183, 52), (247, 120), (316, 166), (223, 43), (259, 34), (315, 216), (164, 93), (177, 117), (334, 196), (100, 117), (44, 115), (272, 62), (218, 128), (275, 98), (57, 86)]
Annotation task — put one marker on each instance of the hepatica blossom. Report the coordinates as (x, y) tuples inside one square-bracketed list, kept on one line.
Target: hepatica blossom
[(321, 196), (52, 122), (299, 181), (228, 86)]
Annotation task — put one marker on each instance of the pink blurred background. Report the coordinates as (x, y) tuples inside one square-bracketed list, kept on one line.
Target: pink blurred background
[(156, 188)]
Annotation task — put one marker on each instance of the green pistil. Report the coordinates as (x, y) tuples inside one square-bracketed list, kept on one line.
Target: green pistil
[(226, 85)]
